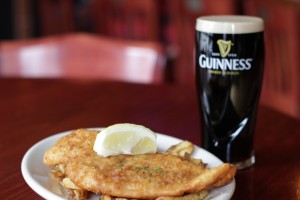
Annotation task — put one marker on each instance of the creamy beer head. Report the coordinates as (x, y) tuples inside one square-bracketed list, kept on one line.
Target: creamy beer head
[(227, 24)]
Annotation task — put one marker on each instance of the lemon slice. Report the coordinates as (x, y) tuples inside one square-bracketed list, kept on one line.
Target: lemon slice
[(125, 139)]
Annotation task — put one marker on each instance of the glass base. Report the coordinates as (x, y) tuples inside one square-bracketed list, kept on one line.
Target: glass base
[(245, 164)]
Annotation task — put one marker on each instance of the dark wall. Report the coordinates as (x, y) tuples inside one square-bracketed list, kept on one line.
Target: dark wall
[(6, 19)]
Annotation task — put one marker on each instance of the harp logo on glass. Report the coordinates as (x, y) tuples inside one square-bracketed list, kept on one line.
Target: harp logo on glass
[(224, 60), (224, 47)]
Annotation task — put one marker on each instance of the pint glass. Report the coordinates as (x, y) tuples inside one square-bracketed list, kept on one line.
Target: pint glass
[(229, 73)]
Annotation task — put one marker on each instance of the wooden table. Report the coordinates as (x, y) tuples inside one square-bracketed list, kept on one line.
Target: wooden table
[(32, 109)]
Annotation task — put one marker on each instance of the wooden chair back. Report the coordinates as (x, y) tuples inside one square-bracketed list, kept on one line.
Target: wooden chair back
[(55, 17), (83, 56), (281, 87), (129, 19)]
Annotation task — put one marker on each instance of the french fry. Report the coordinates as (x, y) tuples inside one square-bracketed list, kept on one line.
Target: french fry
[(181, 149), (69, 188)]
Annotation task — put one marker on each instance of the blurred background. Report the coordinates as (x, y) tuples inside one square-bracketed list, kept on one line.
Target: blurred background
[(171, 24)]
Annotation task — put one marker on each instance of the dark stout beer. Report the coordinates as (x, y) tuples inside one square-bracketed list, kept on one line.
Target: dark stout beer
[(229, 73)]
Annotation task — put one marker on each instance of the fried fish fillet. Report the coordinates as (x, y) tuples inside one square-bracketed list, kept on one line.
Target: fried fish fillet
[(79, 143), (147, 176), (79, 170), (194, 196)]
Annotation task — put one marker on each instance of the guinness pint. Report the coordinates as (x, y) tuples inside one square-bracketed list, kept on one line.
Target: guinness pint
[(229, 73)]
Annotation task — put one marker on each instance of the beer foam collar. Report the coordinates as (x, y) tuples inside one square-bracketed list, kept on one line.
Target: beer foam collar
[(229, 24)]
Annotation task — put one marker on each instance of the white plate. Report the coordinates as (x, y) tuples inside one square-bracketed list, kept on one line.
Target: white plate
[(36, 174)]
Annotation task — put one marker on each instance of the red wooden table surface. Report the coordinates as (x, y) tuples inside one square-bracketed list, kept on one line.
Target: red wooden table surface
[(32, 109)]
